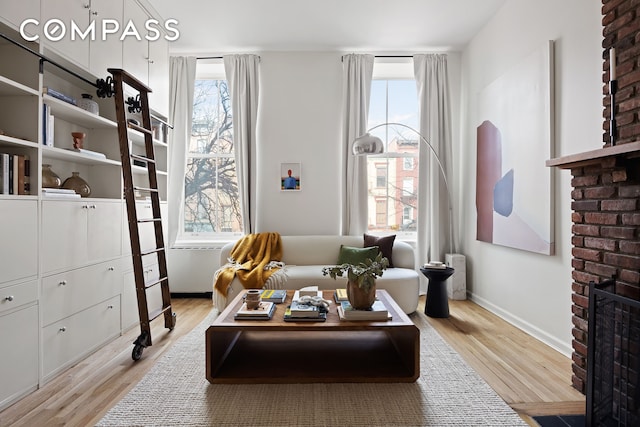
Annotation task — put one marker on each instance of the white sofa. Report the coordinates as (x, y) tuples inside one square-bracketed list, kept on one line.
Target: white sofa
[(304, 257)]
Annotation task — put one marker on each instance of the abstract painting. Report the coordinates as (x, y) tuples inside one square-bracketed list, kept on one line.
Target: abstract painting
[(514, 188)]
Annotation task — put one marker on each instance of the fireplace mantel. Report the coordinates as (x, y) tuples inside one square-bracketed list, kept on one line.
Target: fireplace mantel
[(628, 150)]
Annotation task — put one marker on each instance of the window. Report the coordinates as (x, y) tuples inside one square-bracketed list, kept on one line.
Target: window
[(211, 203), (393, 202)]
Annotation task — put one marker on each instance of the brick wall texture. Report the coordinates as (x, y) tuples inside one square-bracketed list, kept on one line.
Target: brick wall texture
[(606, 210)]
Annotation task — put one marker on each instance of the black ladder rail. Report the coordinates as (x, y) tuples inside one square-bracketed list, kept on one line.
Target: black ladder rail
[(121, 78)]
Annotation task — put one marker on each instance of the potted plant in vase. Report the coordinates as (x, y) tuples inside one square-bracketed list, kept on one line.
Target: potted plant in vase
[(361, 280)]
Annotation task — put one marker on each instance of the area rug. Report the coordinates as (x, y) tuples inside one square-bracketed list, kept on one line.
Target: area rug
[(175, 392)]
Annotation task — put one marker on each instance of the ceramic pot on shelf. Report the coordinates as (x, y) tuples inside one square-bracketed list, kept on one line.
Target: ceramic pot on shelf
[(77, 184), (49, 178), (88, 104)]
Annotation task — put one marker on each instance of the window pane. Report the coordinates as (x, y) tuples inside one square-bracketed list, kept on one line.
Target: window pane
[(211, 196), (393, 202), (211, 204)]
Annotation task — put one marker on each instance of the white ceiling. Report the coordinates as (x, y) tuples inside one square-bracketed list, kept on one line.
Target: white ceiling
[(377, 26)]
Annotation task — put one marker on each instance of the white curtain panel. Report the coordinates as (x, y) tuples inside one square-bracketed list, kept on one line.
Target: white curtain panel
[(242, 77), (357, 75), (182, 76), (434, 238)]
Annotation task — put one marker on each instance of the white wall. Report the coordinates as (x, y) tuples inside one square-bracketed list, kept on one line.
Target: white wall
[(533, 291), (300, 116)]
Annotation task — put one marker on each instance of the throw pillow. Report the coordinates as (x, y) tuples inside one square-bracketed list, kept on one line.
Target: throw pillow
[(352, 255), (385, 243)]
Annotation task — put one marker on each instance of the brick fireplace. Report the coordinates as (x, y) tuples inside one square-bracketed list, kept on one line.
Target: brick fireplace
[(606, 184)]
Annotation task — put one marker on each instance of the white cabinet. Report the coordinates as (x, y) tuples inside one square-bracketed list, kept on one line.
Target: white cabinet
[(74, 290), (75, 49), (19, 351), (19, 231), (15, 12), (81, 37), (148, 60), (75, 233), (72, 338)]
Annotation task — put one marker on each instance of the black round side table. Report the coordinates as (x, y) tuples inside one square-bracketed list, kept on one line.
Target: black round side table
[(437, 300)]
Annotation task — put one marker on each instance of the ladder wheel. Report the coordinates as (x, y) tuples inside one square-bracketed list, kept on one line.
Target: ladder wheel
[(136, 354), (173, 321)]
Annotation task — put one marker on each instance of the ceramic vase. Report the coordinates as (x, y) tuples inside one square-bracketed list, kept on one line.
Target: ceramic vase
[(77, 184), (78, 139), (359, 298), (88, 104), (49, 178)]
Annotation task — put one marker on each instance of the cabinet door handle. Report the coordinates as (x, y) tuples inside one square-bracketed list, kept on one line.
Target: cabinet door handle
[(9, 298), (62, 283), (92, 206), (85, 207), (63, 329), (109, 306), (94, 13), (110, 268)]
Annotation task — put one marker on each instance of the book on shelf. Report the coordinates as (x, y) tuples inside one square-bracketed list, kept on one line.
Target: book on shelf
[(288, 317), (340, 295), (48, 121), (264, 311), (4, 173), (60, 192), (59, 95), (88, 152), (378, 311), (273, 295), (14, 174)]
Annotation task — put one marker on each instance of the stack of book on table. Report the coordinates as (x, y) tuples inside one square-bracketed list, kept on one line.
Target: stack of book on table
[(377, 312), (340, 295), (273, 295), (298, 312), (264, 311)]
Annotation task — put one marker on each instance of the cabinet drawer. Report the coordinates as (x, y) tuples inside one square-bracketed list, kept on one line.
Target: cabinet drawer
[(19, 231), (72, 338), (14, 296), (67, 293), (19, 367)]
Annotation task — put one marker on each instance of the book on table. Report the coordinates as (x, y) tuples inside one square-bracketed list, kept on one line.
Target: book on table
[(378, 311), (264, 311), (340, 295), (274, 295), (288, 317), (298, 310)]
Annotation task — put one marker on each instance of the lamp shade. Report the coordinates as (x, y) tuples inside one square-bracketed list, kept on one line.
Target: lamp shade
[(367, 144)]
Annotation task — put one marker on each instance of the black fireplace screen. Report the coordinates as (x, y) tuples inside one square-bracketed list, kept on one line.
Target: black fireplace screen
[(613, 360)]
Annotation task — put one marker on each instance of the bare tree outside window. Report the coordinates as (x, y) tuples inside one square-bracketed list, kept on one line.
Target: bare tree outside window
[(211, 203)]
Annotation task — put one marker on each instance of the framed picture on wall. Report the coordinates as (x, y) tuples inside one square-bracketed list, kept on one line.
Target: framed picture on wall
[(290, 177)]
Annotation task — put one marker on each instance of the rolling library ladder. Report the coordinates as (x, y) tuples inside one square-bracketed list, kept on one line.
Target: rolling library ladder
[(141, 104)]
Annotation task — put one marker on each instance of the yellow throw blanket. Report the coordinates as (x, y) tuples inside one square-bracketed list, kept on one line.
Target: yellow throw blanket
[(252, 261)]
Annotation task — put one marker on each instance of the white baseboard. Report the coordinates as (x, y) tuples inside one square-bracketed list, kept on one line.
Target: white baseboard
[(535, 332)]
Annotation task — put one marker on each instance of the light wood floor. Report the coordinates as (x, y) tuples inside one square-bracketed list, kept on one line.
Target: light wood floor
[(531, 377)]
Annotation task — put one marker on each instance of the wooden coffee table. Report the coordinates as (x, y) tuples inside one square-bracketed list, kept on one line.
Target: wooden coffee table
[(275, 351)]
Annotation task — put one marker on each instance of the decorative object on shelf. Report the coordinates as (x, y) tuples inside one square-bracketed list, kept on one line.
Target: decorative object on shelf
[(78, 139), (49, 178), (361, 279), (88, 104), (77, 184), (252, 298)]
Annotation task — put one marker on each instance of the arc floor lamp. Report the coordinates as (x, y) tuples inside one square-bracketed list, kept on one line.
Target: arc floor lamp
[(368, 144)]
